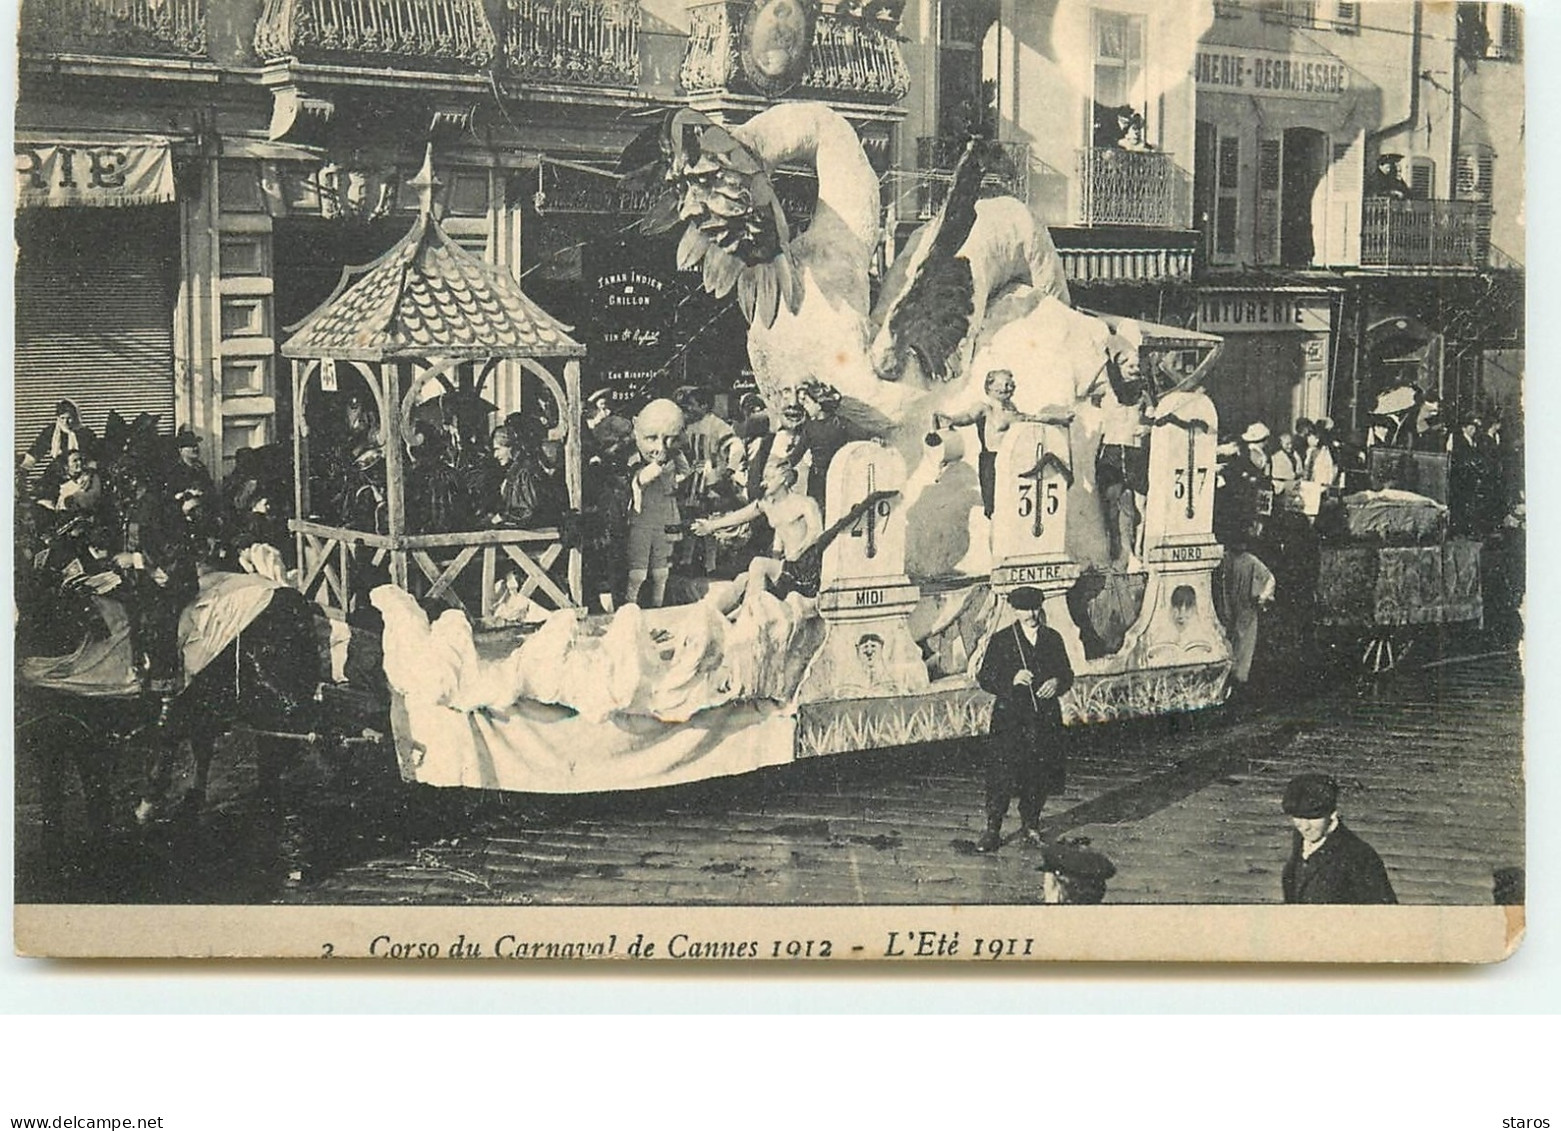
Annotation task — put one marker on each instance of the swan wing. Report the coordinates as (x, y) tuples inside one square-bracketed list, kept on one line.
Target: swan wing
[(929, 314)]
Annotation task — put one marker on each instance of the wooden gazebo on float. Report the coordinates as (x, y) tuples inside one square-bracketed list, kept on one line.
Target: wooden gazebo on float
[(416, 315)]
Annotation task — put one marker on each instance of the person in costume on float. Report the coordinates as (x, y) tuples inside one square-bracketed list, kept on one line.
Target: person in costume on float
[(992, 419), (656, 470), (796, 558), (66, 433)]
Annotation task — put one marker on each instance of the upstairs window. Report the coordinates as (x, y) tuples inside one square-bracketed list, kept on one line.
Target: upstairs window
[(1296, 13), (1490, 31), (1119, 58)]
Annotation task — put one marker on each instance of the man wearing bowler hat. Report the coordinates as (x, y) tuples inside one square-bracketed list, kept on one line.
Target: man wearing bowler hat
[(1328, 863), (1026, 667)]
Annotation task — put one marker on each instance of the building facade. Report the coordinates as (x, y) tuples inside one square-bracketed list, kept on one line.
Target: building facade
[(195, 175), (1094, 105)]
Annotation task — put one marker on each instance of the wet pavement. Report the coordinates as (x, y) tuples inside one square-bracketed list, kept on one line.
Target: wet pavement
[(1429, 762)]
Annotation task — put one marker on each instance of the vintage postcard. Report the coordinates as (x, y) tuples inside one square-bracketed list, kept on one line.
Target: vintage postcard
[(770, 480)]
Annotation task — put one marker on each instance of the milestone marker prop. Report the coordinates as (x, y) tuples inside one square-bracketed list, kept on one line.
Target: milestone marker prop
[(1177, 644), (866, 599)]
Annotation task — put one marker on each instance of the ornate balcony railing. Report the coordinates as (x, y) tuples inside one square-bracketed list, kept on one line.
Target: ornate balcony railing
[(581, 42), (1424, 233), (1125, 187), (852, 57), (935, 161), (154, 28), (419, 34)]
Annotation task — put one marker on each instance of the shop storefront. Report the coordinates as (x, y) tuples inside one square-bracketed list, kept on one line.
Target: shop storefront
[(1280, 153), (1279, 346), (96, 280)]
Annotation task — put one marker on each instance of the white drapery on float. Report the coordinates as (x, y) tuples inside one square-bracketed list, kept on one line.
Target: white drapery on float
[(580, 708)]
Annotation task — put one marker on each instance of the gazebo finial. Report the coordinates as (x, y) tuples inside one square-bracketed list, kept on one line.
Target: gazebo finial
[(426, 183)]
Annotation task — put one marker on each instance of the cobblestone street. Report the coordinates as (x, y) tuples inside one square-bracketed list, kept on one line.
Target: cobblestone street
[(1187, 809)]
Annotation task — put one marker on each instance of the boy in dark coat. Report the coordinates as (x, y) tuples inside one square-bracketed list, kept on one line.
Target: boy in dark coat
[(1026, 667), (1328, 863)]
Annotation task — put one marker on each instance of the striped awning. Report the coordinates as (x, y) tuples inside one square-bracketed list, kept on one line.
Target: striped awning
[(1126, 264)]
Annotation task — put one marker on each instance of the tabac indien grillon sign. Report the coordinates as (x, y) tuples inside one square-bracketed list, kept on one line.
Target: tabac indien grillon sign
[(632, 328)]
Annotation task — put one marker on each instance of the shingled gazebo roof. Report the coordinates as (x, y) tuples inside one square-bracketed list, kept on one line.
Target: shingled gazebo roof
[(429, 297)]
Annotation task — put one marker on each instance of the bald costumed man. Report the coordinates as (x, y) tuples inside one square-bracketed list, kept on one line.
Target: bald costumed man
[(655, 471)]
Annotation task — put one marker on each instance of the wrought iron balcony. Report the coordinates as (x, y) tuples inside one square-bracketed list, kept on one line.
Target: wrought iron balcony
[(935, 161), (416, 34), (853, 58), (1424, 233), (128, 28), (578, 42), (1138, 189)]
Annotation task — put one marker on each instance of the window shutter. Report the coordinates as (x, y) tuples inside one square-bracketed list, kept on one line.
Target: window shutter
[(1467, 176), (1511, 32), (1474, 174), (1340, 245), (1230, 162), (1422, 178), (91, 328), (1227, 203), (1346, 16)]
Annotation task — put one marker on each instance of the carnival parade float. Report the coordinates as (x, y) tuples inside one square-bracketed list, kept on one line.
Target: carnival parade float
[(915, 552)]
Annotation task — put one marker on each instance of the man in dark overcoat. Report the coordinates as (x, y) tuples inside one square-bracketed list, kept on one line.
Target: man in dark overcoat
[(158, 562), (1328, 863), (1026, 668)]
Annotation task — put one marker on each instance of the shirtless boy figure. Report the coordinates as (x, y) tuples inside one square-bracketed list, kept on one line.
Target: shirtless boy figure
[(992, 419), (797, 521)]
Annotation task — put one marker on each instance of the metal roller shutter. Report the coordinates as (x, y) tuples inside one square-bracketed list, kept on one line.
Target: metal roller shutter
[(95, 291)]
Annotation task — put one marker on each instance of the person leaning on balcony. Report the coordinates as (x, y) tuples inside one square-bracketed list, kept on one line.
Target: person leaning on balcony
[(1132, 139), (1385, 180)]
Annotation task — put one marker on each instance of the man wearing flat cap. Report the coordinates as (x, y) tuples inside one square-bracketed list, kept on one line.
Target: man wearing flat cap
[(1328, 863), (1026, 668), (1071, 873)]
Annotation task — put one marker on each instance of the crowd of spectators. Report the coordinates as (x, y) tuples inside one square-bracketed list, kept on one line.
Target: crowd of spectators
[(135, 513), (1282, 499)]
